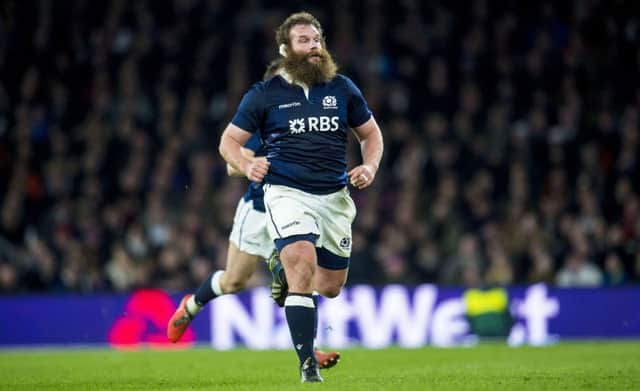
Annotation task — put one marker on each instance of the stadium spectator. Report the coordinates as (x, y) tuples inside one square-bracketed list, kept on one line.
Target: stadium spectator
[(578, 272), (516, 124)]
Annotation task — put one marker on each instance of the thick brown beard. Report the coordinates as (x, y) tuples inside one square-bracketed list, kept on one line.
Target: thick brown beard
[(301, 70)]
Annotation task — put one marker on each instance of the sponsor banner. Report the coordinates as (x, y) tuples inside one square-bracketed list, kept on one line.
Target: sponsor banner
[(123, 320), (372, 317)]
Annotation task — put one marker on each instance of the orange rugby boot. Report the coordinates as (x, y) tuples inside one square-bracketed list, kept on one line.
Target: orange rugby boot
[(326, 360), (179, 321)]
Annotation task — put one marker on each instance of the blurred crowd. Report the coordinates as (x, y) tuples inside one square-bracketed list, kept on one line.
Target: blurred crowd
[(511, 134)]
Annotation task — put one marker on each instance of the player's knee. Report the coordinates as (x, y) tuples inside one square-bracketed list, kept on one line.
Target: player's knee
[(300, 250), (235, 286), (329, 290), (232, 284), (332, 292), (299, 262), (304, 271), (300, 256)]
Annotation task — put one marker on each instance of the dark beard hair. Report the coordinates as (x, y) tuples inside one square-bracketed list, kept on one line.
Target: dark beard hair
[(301, 70)]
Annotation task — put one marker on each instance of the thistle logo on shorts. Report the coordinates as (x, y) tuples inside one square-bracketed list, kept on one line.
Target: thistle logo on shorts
[(314, 124), (345, 243), (329, 102)]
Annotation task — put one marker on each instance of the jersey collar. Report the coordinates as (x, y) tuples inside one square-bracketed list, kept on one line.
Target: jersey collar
[(289, 80)]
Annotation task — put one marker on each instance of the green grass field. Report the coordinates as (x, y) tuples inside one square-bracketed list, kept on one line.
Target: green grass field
[(567, 366)]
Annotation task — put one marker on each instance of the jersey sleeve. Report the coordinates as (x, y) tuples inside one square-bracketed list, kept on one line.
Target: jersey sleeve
[(251, 110), (358, 110), (254, 143)]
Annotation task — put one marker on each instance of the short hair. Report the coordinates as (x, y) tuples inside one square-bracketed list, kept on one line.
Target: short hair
[(304, 18)]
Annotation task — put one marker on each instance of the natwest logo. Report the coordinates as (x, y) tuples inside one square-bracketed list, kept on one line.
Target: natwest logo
[(375, 318), (314, 124)]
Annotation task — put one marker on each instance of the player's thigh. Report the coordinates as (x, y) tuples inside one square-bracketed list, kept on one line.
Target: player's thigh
[(329, 282), (240, 265)]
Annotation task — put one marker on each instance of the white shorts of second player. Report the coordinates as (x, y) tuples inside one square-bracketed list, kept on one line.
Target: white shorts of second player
[(249, 232), (294, 212)]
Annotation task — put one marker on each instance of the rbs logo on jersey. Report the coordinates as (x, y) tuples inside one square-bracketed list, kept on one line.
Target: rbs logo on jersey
[(314, 124)]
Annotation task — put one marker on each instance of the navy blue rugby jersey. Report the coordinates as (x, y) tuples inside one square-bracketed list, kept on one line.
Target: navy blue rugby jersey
[(305, 138), (255, 191)]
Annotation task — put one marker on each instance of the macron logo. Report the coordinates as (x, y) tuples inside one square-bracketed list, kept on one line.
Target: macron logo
[(291, 224), (289, 105)]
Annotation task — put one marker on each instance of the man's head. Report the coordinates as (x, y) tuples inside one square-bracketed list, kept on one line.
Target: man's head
[(301, 43)]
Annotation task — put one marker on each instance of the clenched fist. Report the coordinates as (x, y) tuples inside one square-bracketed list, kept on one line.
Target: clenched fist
[(362, 176), (257, 169)]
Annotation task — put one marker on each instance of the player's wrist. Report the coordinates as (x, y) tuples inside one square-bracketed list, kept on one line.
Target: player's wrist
[(372, 168), (244, 166)]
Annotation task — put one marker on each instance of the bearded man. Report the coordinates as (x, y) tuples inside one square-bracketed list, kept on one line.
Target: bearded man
[(303, 115)]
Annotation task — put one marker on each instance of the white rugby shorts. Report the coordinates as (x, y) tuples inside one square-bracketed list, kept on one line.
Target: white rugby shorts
[(249, 232), (292, 212)]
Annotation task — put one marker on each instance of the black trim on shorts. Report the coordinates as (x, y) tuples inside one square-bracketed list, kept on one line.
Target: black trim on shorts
[(329, 260)]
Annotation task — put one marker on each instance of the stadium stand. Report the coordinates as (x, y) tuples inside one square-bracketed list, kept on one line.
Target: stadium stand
[(511, 139)]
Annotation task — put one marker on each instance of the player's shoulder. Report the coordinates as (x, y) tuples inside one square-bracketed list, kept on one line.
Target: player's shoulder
[(343, 81), (263, 88), (271, 83), (257, 87), (267, 84)]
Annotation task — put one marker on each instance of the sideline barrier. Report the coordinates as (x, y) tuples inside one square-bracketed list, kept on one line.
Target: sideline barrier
[(372, 317)]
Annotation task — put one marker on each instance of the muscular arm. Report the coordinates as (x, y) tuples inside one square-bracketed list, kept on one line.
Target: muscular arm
[(231, 142), (371, 146), (249, 154)]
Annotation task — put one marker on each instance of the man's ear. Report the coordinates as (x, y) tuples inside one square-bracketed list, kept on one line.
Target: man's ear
[(282, 49)]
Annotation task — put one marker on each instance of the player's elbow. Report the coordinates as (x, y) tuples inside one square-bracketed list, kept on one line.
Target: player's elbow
[(231, 171), (223, 147)]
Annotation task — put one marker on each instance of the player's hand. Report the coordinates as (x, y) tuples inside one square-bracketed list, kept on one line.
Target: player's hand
[(362, 176), (257, 169)]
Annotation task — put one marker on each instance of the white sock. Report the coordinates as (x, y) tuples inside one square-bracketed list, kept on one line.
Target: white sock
[(215, 283), (192, 307)]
